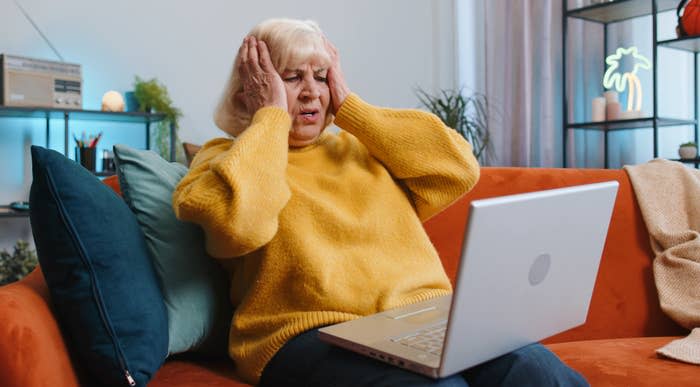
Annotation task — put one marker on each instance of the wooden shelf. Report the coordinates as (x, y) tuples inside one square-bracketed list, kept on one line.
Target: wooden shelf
[(635, 123), (70, 115), (80, 115), (619, 10), (689, 43), (688, 161), (7, 212)]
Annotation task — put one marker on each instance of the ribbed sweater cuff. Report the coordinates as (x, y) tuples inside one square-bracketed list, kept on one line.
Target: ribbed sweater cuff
[(353, 113)]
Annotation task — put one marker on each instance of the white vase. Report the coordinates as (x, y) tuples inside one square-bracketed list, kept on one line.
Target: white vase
[(688, 152)]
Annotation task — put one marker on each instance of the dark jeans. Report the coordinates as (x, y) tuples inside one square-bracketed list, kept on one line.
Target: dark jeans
[(306, 361)]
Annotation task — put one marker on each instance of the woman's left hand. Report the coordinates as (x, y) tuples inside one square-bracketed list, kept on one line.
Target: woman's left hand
[(336, 81)]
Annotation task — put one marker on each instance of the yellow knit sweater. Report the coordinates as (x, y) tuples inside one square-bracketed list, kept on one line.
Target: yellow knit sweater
[(328, 232)]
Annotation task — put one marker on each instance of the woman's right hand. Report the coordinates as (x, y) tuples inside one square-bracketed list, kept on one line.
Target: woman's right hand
[(262, 85), (336, 80)]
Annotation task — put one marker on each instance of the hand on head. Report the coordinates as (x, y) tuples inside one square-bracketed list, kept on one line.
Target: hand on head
[(336, 81), (262, 85)]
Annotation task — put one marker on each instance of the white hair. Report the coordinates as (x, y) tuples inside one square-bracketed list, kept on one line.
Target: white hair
[(291, 43)]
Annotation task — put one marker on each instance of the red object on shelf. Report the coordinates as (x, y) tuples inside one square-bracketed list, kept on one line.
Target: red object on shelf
[(689, 20)]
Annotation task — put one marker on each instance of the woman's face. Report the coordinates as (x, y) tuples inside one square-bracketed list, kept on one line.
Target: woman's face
[(308, 98)]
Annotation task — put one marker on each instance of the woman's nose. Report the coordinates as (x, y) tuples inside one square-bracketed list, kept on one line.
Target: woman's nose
[(310, 90)]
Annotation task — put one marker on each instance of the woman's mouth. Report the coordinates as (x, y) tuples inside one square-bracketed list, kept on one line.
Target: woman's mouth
[(309, 116)]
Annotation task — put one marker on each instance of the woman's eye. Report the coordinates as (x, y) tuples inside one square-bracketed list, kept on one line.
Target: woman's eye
[(322, 79), (292, 78)]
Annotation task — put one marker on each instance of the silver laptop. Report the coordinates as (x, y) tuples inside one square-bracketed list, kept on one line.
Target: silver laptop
[(528, 266)]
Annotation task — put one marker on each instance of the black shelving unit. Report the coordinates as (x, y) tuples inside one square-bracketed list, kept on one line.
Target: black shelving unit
[(695, 161), (619, 11), (7, 212), (69, 115), (87, 115)]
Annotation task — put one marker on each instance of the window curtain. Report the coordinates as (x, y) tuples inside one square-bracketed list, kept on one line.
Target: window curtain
[(510, 50), (522, 80)]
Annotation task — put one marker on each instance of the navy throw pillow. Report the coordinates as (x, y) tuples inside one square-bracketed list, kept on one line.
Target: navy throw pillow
[(103, 286)]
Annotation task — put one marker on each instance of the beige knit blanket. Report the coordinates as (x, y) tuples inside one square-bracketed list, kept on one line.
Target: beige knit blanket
[(669, 197)]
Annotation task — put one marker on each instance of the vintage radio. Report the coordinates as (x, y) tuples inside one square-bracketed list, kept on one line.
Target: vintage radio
[(40, 83)]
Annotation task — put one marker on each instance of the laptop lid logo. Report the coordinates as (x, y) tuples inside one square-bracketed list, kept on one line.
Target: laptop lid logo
[(539, 269)]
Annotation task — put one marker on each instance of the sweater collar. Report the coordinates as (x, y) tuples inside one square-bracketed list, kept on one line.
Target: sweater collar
[(322, 138)]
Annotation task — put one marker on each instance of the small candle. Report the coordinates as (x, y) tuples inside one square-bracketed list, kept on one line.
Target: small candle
[(598, 109), (628, 114), (612, 111), (611, 96)]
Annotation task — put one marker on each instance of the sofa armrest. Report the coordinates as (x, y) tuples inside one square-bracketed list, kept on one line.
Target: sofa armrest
[(32, 350)]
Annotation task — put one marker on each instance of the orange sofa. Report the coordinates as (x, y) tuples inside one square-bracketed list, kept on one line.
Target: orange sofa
[(615, 347)]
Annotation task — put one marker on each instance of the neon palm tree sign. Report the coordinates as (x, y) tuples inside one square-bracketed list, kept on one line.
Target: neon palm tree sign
[(621, 81)]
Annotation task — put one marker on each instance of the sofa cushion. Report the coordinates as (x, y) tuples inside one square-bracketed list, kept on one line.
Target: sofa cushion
[(190, 151), (113, 183), (626, 362), (188, 372), (102, 283), (195, 287), (32, 349)]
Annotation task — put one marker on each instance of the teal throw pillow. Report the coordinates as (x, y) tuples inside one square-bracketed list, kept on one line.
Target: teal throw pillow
[(195, 287)]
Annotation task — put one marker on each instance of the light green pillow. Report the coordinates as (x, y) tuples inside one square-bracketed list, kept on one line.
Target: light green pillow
[(194, 285)]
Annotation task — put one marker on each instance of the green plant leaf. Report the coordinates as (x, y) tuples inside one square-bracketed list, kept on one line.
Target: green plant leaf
[(153, 95), (468, 115), (17, 265)]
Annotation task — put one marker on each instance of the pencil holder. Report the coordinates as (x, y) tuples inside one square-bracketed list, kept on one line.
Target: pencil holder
[(86, 157)]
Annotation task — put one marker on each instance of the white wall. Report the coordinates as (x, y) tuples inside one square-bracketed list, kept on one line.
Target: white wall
[(387, 48)]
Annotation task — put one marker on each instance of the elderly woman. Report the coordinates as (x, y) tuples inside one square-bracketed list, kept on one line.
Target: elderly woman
[(320, 228)]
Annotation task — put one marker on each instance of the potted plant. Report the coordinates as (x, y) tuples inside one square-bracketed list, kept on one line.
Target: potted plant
[(688, 150), (152, 96), (468, 115), (15, 266)]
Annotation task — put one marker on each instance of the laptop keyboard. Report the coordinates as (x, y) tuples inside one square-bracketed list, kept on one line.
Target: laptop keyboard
[(429, 339)]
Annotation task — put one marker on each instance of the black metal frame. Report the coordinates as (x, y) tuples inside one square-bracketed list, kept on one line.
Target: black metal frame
[(629, 9), (67, 115), (88, 115)]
